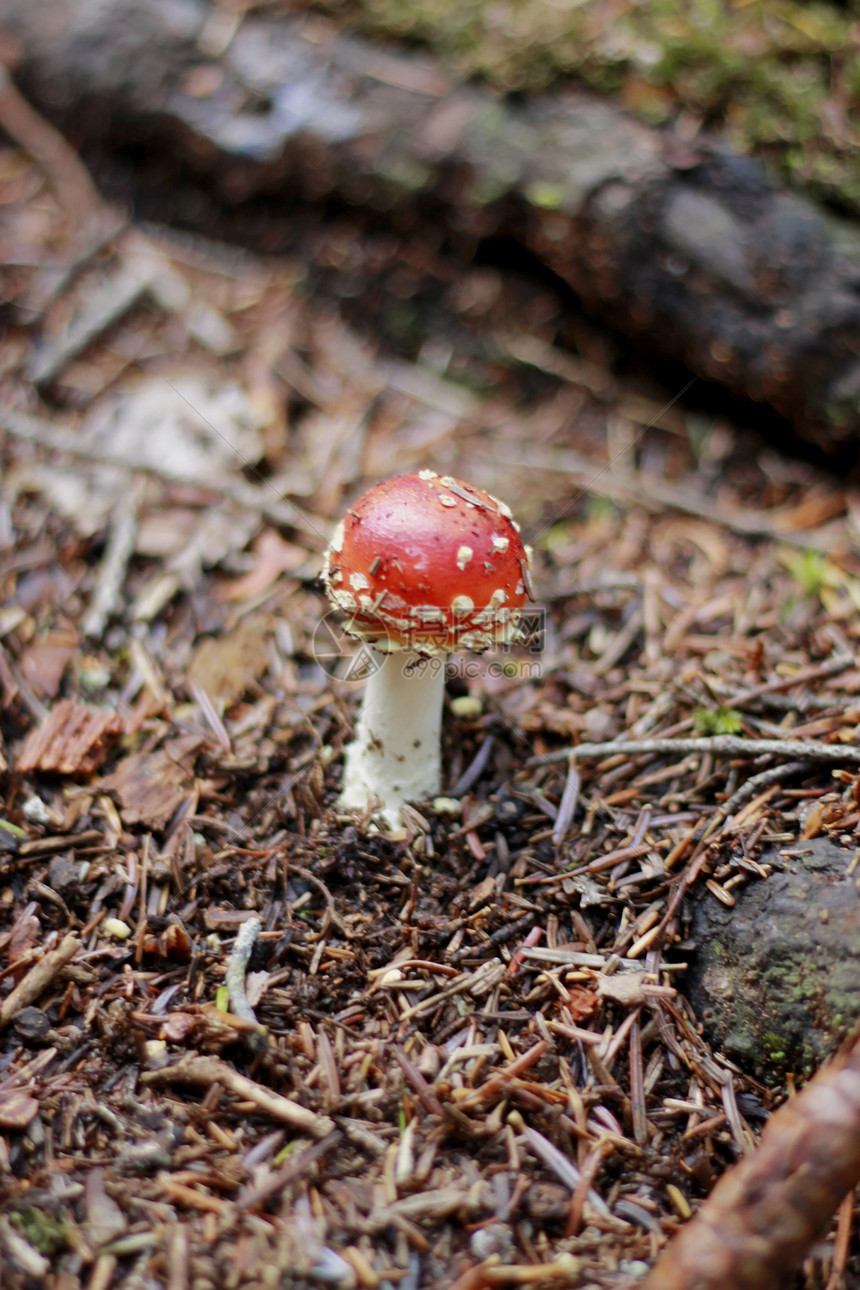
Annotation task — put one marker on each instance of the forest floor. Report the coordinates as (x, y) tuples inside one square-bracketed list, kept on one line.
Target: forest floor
[(477, 1066)]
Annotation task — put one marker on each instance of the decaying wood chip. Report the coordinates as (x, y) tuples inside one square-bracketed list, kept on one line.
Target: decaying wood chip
[(38, 978), (203, 1072), (764, 1215), (622, 987), (74, 740), (17, 1108)]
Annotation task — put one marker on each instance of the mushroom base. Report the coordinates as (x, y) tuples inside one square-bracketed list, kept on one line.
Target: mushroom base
[(395, 757)]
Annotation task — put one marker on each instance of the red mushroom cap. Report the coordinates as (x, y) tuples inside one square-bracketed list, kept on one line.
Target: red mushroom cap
[(428, 563)]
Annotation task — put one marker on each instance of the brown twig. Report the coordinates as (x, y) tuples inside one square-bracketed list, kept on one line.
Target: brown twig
[(254, 1193), (591, 475), (203, 1072), (38, 978)]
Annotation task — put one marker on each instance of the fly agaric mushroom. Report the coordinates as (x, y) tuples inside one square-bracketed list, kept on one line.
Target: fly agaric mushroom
[(422, 565)]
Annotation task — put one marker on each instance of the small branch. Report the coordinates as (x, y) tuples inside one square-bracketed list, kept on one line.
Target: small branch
[(38, 978), (716, 745), (203, 1072), (253, 1194), (839, 662), (103, 310), (773, 775)]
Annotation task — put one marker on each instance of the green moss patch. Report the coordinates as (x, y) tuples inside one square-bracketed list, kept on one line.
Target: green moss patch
[(781, 79)]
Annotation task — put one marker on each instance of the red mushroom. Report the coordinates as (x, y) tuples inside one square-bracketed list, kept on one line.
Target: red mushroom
[(422, 565)]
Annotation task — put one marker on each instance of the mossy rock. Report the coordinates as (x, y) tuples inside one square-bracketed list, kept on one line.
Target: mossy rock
[(776, 979)]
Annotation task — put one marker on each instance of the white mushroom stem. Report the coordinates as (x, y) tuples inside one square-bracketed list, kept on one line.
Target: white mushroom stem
[(396, 756)]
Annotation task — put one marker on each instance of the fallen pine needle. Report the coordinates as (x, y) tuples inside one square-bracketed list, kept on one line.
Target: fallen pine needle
[(191, 1197)]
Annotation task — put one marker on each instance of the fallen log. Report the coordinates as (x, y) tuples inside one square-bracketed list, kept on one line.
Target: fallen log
[(764, 1215), (678, 241)]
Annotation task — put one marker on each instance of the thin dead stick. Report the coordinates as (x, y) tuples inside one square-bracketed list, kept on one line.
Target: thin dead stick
[(203, 1072), (38, 978), (276, 1182), (765, 1214), (773, 775), (697, 837), (492, 1272), (567, 805), (717, 746)]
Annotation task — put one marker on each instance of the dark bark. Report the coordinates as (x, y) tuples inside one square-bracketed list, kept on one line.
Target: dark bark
[(682, 243)]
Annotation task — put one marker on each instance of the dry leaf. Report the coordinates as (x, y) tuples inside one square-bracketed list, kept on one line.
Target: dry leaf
[(225, 666), (272, 557), (73, 740), (44, 661), (151, 786)]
